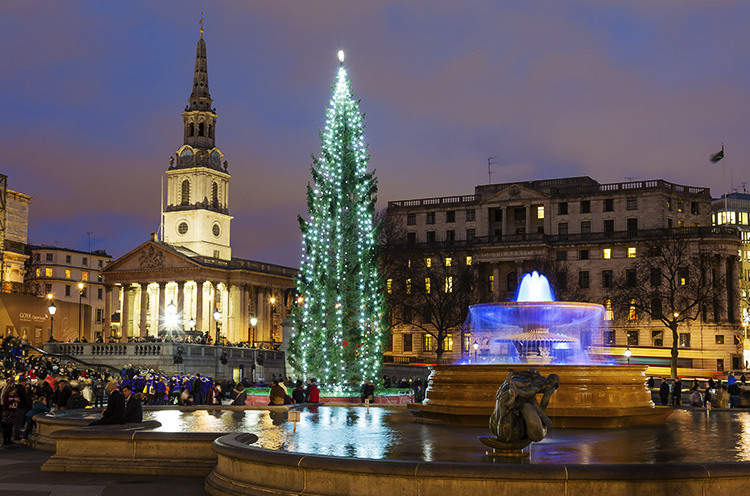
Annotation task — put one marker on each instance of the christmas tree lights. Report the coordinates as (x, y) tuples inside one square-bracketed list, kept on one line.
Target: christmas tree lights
[(338, 330)]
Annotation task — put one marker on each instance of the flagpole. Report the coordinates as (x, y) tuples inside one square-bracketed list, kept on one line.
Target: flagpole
[(724, 166)]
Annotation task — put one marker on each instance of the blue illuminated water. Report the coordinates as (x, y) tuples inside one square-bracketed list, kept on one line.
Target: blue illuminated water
[(534, 287)]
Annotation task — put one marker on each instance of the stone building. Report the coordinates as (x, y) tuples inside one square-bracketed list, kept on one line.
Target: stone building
[(587, 233), (15, 224), (736, 212), (179, 282)]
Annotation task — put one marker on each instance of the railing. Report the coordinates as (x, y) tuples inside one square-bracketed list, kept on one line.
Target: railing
[(100, 350), (446, 200)]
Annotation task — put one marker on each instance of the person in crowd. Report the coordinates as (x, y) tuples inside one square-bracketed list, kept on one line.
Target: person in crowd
[(677, 392), (708, 396), (76, 400), (10, 408), (277, 394), (696, 399), (62, 394), (368, 391), (734, 391), (651, 383), (39, 406), (115, 411), (722, 398), (664, 392), (240, 398), (312, 393), (298, 394), (133, 406), (24, 404)]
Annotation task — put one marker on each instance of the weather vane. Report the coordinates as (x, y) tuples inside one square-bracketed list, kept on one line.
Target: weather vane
[(201, 25)]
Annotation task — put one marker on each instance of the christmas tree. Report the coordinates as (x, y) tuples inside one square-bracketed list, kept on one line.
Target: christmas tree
[(338, 331)]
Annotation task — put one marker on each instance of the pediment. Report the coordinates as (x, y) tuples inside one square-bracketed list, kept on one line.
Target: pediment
[(151, 256), (516, 192)]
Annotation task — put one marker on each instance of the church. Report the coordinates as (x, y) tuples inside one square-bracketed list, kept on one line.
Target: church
[(186, 279)]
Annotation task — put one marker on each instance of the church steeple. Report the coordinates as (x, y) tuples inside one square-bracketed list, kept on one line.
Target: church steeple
[(200, 99)]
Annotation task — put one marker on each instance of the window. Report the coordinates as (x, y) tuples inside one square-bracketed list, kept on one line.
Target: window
[(67, 259), (99, 293), (512, 281), (682, 276), (609, 225), (411, 219), (669, 223), (720, 364), (632, 226), (389, 286), (407, 342), (562, 228), (607, 278), (448, 261), (684, 340), (631, 203), (669, 204), (48, 288), (469, 260), (48, 257), (608, 338), (719, 339), (85, 261), (215, 195), (185, 193), (491, 284), (428, 343), (586, 207), (38, 272), (67, 290), (695, 208), (656, 308), (99, 315), (37, 257), (498, 215), (561, 255), (201, 129), (583, 254), (540, 212), (431, 236), (609, 205), (48, 272), (450, 216), (427, 285), (471, 215), (562, 280), (583, 279), (657, 338), (448, 343), (448, 284), (470, 233), (632, 338), (562, 208), (631, 278), (67, 273), (680, 205), (428, 262), (408, 286), (430, 217), (632, 311), (84, 276), (182, 228), (655, 277), (585, 226), (411, 238), (609, 313), (606, 253), (519, 214), (450, 236), (467, 342), (631, 251)]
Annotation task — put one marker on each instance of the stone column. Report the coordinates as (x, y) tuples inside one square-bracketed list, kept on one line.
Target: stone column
[(496, 282), (723, 290), (733, 288), (125, 313), (504, 221), (528, 218), (107, 312), (244, 333), (161, 308), (180, 305), (144, 310), (199, 306)]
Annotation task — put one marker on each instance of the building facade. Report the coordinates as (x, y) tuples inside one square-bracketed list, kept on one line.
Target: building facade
[(187, 280), (588, 234), (73, 276), (15, 227)]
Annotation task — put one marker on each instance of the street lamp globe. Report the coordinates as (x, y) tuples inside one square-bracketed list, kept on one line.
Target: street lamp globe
[(253, 321), (627, 354), (52, 308), (191, 323), (217, 315)]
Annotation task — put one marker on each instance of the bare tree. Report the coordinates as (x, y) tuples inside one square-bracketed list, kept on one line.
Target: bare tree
[(673, 282)]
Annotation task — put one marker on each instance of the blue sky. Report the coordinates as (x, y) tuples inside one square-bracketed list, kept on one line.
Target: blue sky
[(94, 91)]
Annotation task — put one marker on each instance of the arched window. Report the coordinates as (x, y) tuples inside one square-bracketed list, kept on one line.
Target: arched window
[(201, 129), (512, 281), (185, 196), (215, 195), (192, 129), (211, 131), (609, 313)]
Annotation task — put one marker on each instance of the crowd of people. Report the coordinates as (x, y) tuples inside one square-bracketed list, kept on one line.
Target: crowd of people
[(706, 394)]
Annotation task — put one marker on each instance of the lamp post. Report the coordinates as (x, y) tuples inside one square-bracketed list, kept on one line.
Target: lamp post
[(80, 310), (217, 316), (627, 354), (191, 324), (476, 350), (51, 309), (171, 318), (253, 322)]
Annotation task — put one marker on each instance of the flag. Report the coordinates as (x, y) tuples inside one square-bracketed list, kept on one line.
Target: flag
[(717, 156)]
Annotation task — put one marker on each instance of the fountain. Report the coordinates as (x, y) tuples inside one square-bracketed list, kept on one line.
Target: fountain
[(556, 338)]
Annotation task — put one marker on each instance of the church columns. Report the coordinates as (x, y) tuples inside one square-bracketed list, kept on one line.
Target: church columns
[(180, 305), (161, 305), (503, 223), (528, 218), (199, 306), (107, 312), (125, 314), (144, 310)]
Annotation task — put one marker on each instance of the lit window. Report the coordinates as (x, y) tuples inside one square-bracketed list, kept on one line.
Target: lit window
[(429, 343), (631, 252), (448, 286), (67, 273), (448, 261), (491, 284), (38, 272), (389, 286), (540, 212), (428, 262), (427, 285), (607, 253), (448, 343), (408, 264), (47, 272), (408, 286), (609, 314), (469, 260), (632, 313), (84, 276)]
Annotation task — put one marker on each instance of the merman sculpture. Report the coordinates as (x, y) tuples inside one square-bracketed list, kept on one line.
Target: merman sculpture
[(519, 419)]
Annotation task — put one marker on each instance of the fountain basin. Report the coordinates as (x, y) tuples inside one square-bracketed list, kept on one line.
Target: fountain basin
[(589, 396)]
